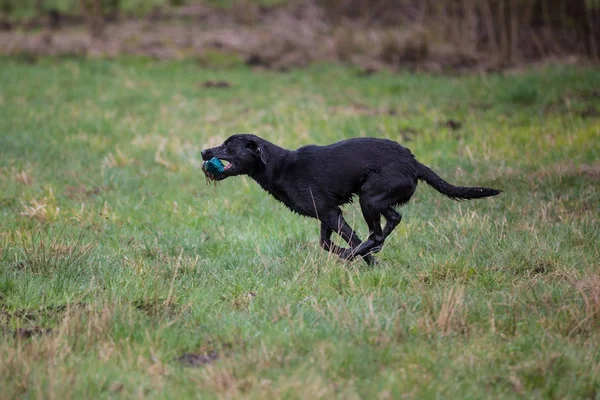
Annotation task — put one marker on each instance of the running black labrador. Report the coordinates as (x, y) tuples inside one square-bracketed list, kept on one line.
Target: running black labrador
[(316, 180)]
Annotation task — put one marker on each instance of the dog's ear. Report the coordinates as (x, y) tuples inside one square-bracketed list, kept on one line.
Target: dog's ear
[(259, 150)]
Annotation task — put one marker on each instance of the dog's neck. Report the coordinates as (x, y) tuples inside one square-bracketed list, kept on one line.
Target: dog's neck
[(270, 174), (270, 177)]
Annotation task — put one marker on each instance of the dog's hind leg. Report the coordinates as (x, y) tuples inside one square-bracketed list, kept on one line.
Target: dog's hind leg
[(375, 240), (393, 218), (353, 240), (336, 222)]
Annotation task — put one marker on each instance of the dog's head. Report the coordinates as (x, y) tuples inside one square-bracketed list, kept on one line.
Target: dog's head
[(244, 153)]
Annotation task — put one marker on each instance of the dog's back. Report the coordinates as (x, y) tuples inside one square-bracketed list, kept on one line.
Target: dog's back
[(346, 164)]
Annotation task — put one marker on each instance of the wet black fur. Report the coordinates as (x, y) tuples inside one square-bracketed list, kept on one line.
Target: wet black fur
[(315, 181)]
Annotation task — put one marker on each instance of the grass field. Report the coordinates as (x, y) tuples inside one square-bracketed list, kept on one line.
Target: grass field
[(124, 275)]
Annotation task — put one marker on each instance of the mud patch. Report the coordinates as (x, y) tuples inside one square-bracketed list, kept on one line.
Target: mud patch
[(156, 307), (216, 84), (26, 333), (196, 359), (362, 109), (81, 192), (452, 124), (530, 266)]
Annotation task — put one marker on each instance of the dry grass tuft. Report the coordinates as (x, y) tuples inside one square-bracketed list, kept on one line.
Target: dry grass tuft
[(448, 316), (36, 209), (23, 176), (116, 160), (159, 159), (42, 210), (451, 315), (588, 316)]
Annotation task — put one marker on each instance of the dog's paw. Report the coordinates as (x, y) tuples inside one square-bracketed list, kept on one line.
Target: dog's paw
[(347, 254), (370, 260)]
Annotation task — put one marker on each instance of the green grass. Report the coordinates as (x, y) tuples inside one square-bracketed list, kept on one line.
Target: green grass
[(118, 259), (24, 9)]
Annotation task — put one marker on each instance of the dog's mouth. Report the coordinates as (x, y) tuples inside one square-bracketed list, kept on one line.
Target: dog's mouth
[(226, 164), (216, 174)]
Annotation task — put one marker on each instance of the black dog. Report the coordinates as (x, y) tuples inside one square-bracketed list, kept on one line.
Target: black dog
[(316, 180)]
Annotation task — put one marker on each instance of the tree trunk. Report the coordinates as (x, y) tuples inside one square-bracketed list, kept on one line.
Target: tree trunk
[(94, 16), (503, 31), (490, 26)]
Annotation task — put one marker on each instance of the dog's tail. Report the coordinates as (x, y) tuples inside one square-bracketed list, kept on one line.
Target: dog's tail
[(454, 192)]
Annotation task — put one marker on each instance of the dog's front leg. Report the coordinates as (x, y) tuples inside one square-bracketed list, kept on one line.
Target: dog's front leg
[(327, 244), (350, 254)]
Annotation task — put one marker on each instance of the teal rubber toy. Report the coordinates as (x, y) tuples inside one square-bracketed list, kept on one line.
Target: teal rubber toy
[(214, 166)]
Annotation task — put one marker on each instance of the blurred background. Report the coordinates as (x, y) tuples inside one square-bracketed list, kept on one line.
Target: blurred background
[(431, 35)]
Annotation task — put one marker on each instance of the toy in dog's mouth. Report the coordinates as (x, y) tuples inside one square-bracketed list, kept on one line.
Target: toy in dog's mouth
[(214, 169)]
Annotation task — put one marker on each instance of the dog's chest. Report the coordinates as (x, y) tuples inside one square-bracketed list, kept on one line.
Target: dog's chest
[(292, 197)]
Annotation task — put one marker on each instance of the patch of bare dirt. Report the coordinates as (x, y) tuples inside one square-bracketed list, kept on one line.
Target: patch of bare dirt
[(362, 109), (453, 124), (26, 333), (195, 359), (156, 307), (80, 192), (208, 353), (216, 84)]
